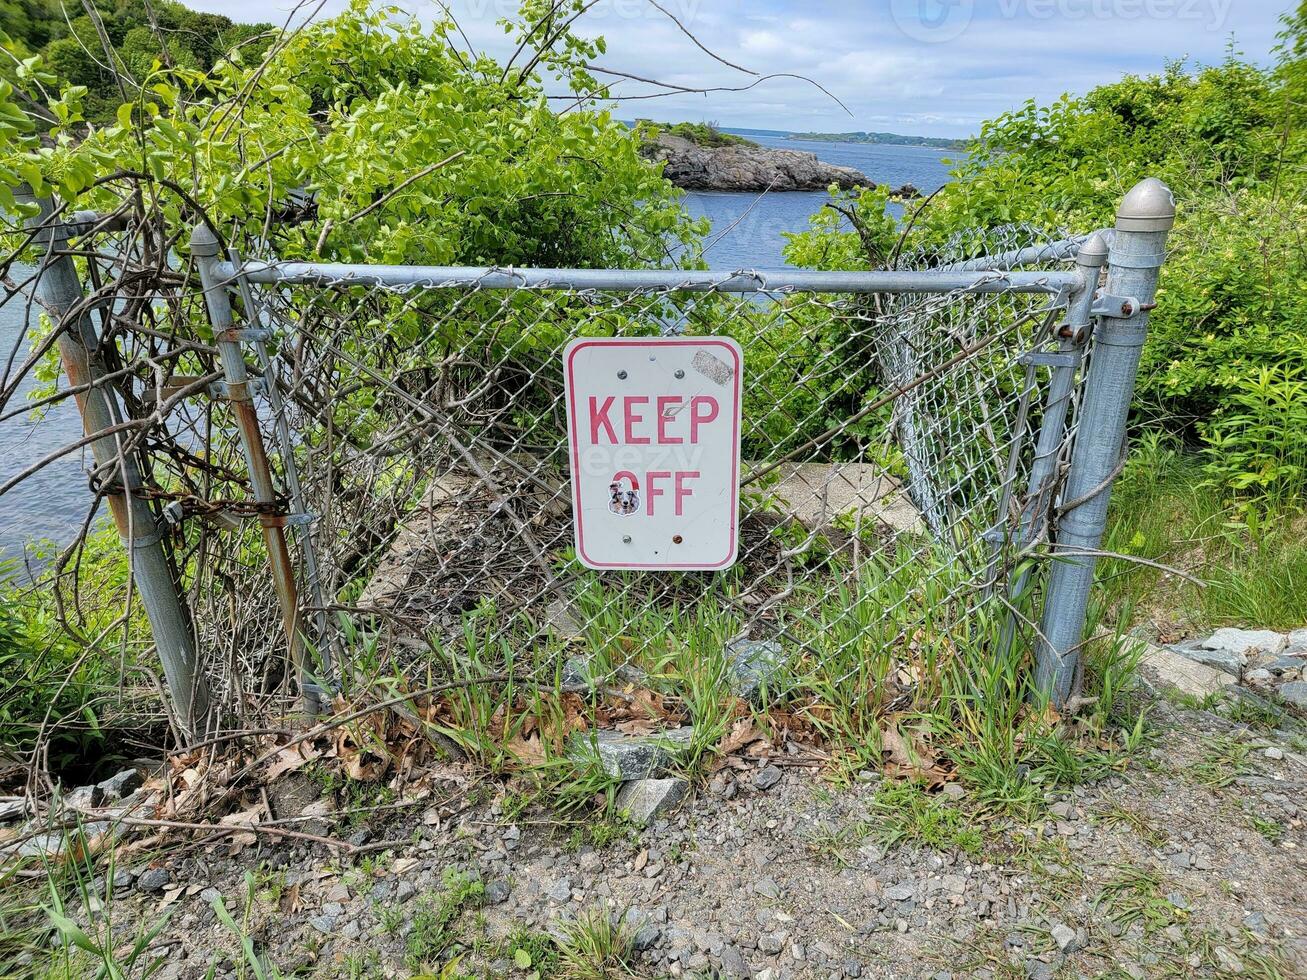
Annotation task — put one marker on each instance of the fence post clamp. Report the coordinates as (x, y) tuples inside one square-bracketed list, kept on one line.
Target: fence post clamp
[(1119, 307)]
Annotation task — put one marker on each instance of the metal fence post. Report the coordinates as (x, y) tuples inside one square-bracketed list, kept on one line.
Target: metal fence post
[(205, 249), (1138, 250), (1090, 260), (59, 291), (286, 446)]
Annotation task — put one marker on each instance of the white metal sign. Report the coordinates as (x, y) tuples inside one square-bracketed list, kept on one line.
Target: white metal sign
[(653, 429)]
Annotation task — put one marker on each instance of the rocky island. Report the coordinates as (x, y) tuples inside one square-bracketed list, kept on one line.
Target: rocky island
[(741, 166), (746, 167)]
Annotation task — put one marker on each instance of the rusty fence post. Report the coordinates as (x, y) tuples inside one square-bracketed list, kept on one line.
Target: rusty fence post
[(59, 291), (240, 395)]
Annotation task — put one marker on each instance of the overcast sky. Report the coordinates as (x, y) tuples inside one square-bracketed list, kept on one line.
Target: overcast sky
[(922, 67)]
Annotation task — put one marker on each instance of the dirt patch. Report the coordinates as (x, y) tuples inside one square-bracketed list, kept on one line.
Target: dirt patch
[(465, 543), (1161, 870)]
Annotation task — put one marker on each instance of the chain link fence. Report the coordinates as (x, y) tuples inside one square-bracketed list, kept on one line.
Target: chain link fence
[(393, 441)]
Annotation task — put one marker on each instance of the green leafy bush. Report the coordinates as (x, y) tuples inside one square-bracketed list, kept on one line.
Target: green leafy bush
[(703, 134), (1232, 314)]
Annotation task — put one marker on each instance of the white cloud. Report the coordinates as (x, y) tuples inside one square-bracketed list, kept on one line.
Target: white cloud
[(872, 56)]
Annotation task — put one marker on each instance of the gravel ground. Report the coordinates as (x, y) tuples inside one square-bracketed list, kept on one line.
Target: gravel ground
[(1152, 872)]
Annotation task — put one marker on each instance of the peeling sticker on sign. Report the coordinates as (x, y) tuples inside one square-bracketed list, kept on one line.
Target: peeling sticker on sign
[(716, 371)]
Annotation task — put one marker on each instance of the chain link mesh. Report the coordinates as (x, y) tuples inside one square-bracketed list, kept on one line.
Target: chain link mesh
[(419, 443), (887, 446)]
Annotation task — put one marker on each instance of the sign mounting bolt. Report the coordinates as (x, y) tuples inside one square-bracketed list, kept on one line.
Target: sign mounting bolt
[(621, 375), (626, 539), (679, 374)]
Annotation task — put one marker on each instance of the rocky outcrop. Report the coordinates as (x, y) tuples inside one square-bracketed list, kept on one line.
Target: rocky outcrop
[(746, 168)]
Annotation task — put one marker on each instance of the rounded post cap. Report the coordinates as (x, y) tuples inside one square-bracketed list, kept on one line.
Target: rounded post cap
[(1094, 251), (203, 240), (1150, 206)]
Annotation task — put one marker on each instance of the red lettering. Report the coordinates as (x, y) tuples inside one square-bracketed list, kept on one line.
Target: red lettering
[(632, 419), (651, 488), (664, 416), (696, 419), (683, 491), (599, 418)]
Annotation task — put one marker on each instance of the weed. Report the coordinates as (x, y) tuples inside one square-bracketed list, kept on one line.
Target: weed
[(596, 945), (1136, 822), (390, 917), (251, 963), (433, 933), (1224, 759), (1272, 830), (1256, 963), (905, 815), (96, 945), (1255, 714), (534, 953), (833, 843), (1192, 702), (1135, 895), (357, 798), (363, 964), (1047, 857)]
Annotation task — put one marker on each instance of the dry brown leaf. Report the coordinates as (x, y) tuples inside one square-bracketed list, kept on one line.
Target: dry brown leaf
[(640, 726), (894, 747), (911, 758), (364, 767), (243, 818), (743, 735), (648, 703), (404, 865), (529, 751), (290, 759), (170, 895), (318, 808)]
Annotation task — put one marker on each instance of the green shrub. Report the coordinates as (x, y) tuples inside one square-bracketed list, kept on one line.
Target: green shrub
[(62, 686), (1226, 345)]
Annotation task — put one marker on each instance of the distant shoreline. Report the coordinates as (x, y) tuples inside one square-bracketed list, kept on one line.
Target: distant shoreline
[(856, 138), (880, 139)]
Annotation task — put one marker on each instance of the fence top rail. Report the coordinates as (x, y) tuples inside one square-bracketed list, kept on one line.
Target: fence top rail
[(641, 280), (1065, 250)]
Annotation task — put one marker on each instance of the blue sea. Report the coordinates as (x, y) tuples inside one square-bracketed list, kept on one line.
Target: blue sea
[(748, 229), (747, 233)]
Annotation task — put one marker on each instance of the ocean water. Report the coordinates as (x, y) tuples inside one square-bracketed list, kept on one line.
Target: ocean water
[(52, 503), (747, 233), (748, 229)]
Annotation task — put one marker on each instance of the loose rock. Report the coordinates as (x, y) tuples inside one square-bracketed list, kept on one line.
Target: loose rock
[(1064, 936), (636, 757), (754, 665), (644, 799), (497, 892), (1295, 693), (153, 880), (1245, 643)]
